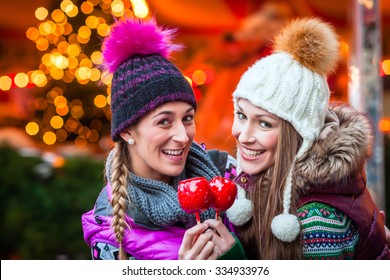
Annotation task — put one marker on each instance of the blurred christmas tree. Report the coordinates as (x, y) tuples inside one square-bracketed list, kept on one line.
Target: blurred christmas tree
[(74, 103)]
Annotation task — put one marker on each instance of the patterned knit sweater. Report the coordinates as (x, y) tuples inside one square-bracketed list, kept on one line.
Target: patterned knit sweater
[(327, 233)]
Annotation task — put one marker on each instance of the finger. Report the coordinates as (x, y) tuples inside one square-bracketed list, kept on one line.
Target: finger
[(201, 248), (214, 255), (218, 226), (223, 239), (191, 235), (206, 252)]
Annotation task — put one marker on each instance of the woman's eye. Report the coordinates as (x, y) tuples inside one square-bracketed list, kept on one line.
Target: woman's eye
[(164, 122), (265, 124), (241, 116), (188, 118)]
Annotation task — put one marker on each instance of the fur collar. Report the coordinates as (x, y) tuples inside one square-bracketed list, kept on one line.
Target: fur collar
[(339, 152)]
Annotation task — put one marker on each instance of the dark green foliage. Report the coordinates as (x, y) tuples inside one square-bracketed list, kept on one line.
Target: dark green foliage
[(41, 215)]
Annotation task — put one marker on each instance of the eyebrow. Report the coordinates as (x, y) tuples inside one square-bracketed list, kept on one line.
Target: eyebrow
[(260, 115), (171, 112)]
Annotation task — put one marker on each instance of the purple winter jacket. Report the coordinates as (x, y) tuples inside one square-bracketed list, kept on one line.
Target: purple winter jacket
[(144, 241)]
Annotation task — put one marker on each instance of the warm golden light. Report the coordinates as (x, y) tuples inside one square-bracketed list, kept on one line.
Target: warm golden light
[(32, 128), (68, 28), (386, 67), (106, 78), (60, 102), (57, 15), (199, 77), (63, 47), (46, 28), (46, 59), (95, 75), (86, 62), (83, 73), (56, 73), (56, 122), (84, 32), (59, 30), (41, 13), (344, 49), (100, 101), (140, 8), (5, 83), (92, 22), (97, 57), (369, 4), (58, 161), (384, 125), (73, 62), (66, 5), (87, 7), (21, 80), (39, 78), (188, 80), (42, 44), (49, 138), (67, 59), (73, 50), (117, 8), (103, 29), (59, 60), (33, 34), (73, 12), (62, 111)]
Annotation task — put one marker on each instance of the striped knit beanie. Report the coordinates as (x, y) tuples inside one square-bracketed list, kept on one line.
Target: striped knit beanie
[(136, 53)]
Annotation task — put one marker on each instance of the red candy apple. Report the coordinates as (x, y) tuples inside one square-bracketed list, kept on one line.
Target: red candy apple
[(223, 193), (194, 195)]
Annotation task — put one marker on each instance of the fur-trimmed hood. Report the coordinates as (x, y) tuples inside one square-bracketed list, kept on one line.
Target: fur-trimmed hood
[(339, 153)]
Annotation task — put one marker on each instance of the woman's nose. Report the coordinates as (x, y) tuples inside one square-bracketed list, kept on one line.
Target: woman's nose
[(180, 134), (246, 134)]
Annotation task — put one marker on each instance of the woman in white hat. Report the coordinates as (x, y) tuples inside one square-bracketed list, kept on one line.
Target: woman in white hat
[(302, 160)]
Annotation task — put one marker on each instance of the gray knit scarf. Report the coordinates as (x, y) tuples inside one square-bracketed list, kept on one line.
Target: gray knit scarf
[(158, 200)]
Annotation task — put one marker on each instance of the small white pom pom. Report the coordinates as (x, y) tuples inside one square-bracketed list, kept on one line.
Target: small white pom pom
[(285, 227), (241, 211)]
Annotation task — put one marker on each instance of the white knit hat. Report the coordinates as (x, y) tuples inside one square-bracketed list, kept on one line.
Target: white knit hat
[(291, 83)]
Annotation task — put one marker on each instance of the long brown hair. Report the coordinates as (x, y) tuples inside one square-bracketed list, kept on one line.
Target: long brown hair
[(266, 194)]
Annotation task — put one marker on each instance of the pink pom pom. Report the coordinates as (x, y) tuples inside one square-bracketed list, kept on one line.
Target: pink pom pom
[(132, 36)]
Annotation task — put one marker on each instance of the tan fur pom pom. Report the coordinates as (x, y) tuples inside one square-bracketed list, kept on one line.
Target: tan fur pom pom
[(311, 42)]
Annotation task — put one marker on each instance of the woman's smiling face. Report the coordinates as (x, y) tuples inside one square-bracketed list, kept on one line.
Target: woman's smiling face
[(162, 141), (256, 132)]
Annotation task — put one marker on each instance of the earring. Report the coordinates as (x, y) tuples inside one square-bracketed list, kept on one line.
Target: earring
[(131, 141)]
